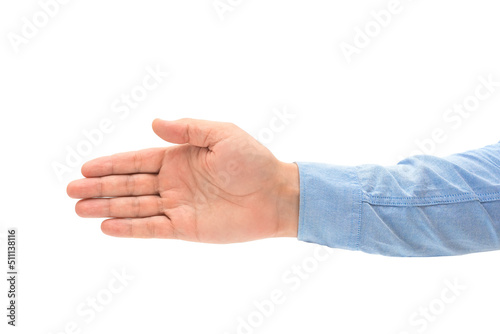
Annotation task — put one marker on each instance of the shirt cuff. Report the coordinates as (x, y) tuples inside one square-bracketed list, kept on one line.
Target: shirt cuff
[(330, 205)]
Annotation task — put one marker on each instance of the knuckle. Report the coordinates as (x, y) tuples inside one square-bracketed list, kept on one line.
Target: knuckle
[(137, 162), (130, 184), (136, 207)]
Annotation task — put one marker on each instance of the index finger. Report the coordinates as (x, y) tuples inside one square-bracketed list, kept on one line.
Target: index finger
[(143, 161)]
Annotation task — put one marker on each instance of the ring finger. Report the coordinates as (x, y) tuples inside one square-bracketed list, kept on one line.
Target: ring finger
[(120, 207)]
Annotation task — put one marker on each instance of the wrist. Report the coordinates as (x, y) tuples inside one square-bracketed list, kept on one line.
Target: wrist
[(288, 200)]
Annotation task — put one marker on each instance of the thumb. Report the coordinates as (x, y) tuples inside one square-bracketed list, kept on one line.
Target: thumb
[(196, 132)]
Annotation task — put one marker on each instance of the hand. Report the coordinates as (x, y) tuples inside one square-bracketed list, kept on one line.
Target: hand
[(219, 185)]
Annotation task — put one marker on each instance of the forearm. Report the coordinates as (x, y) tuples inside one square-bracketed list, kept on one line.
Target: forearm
[(424, 206)]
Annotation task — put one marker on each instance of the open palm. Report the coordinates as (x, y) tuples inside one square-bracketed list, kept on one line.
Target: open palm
[(218, 185)]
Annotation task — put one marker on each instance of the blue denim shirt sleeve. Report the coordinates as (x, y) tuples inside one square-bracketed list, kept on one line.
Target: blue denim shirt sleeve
[(423, 206)]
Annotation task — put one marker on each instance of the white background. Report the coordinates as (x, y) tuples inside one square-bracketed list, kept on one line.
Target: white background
[(262, 55)]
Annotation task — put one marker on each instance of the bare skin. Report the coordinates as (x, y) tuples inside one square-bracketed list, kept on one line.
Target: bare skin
[(218, 185)]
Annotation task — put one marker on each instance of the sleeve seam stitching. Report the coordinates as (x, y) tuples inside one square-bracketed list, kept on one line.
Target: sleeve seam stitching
[(470, 194), (360, 199), (415, 204)]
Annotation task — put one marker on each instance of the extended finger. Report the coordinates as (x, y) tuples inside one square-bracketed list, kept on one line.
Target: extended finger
[(143, 161), (114, 185), (196, 132), (150, 227), (122, 207)]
